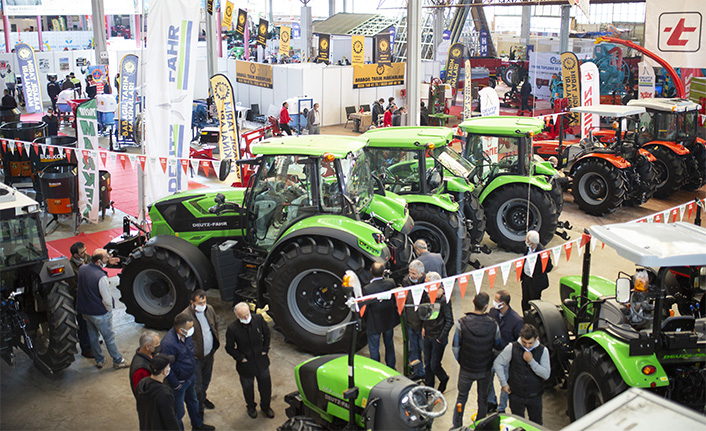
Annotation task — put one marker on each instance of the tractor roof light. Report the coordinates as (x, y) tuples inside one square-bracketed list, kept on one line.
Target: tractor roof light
[(328, 157), (615, 125), (648, 370)]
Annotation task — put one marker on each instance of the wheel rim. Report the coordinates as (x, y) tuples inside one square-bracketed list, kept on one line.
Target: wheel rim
[(661, 173), (512, 219), (316, 301), (433, 236), (593, 188), (154, 292), (587, 394)]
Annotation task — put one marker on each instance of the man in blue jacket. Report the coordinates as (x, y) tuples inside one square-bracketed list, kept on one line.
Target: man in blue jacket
[(182, 378)]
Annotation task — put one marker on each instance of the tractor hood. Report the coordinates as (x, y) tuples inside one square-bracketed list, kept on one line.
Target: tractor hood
[(409, 138), (391, 208)]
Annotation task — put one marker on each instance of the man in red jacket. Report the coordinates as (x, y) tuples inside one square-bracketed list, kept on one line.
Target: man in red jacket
[(284, 119)]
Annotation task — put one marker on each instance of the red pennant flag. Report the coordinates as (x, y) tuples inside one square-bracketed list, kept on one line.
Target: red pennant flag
[(185, 165), (433, 291), (86, 153), (691, 208), (205, 165), (362, 310), (4, 150), (123, 159), (658, 218), (585, 238), (401, 298), (675, 214), (644, 220), (68, 154), (519, 263), (143, 160), (36, 148), (568, 246), (163, 162), (18, 144), (51, 151), (492, 273), (462, 283), (544, 256), (104, 157)]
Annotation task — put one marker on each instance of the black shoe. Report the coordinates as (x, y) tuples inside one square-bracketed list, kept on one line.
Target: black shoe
[(268, 412), (442, 384), (88, 354), (208, 404), (492, 408), (252, 412), (204, 427)]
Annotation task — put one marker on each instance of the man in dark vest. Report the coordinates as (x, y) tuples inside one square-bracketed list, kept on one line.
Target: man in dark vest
[(415, 342), (476, 335), (381, 316), (95, 302), (77, 260), (510, 324), (140, 364), (529, 367)]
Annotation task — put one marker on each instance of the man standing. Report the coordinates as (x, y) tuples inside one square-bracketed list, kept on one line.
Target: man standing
[(140, 364), (67, 84), (8, 102), (10, 81), (433, 262), (528, 364), (397, 117), (534, 280), (476, 334), (178, 343), (78, 259), (381, 316), (52, 122), (378, 110), (510, 324), (155, 401), (525, 92), (96, 304), (53, 90), (423, 115), (91, 88), (77, 84), (313, 120), (415, 344), (248, 342), (206, 343), (284, 119), (436, 336)]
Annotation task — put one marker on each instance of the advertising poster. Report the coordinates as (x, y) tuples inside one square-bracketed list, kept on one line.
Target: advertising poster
[(357, 49), (257, 74), (324, 48), (27, 64), (645, 81), (67, 7), (126, 96), (242, 20), (262, 32), (87, 156), (228, 139), (377, 75), (484, 39), (228, 16), (489, 102), (285, 34), (541, 68), (383, 51), (675, 30), (467, 93), (571, 77), (453, 64)]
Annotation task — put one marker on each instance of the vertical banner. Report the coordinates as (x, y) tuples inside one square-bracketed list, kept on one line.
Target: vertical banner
[(296, 30), (262, 32), (467, 93), (209, 7), (453, 63), (357, 49), (285, 34), (229, 137), (489, 102), (173, 24), (27, 64), (383, 53), (87, 157), (324, 47), (645, 81), (242, 20), (572, 80), (228, 17), (590, 95), (126, 96), (483, 38)]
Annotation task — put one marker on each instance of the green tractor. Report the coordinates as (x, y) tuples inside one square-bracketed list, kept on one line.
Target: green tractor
[(609, 336), (309, 213), (518, 194), (413, 162)]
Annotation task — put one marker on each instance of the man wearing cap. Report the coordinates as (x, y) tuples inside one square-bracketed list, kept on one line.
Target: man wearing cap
[(155, 400)]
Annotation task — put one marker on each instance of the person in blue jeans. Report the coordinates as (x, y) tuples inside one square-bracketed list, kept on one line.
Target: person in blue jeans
[(510, 324), (413, 323), (381, 317), (436, 336), (182, 378)]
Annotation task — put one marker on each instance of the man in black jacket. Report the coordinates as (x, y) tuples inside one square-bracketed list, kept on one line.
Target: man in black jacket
[(413, 324), (525, 92), (381, 316), (53, 90), (510, 324), (377, 111), (436, 336), (534, 280), (140, 364), (248, 342), (155, 401), (476, 335), (52, 122)]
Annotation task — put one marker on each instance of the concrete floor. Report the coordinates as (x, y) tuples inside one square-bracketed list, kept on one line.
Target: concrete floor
[(85, 398)]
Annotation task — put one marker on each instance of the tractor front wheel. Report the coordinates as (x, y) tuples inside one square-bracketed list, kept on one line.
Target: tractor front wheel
[(598, 187), (440, 230), (473, 211)]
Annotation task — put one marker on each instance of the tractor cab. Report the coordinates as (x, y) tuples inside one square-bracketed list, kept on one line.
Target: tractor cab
[(674, 120)]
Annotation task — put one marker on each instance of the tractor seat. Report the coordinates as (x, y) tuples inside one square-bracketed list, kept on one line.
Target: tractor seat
[(612, 318)]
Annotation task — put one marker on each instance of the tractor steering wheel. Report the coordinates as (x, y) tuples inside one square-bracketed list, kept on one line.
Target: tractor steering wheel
[(426, 393)]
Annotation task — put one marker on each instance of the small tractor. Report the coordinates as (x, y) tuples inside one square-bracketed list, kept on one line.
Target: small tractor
[(37, 312)]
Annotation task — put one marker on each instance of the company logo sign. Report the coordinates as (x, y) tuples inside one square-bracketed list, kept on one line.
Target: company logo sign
[(178, 53), (680, 31)]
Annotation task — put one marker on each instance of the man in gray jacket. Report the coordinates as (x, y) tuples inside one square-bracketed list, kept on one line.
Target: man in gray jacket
[(313, 120)]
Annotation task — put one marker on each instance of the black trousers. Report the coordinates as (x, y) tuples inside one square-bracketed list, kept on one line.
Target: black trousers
[(530, 292), (264, 385), (204, 370), (533, 405), (285, 128)]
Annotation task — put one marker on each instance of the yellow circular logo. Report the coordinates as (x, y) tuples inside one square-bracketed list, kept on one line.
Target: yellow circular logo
[(253, 68), (241, 19), (324, 44), (380, 69), (456, 53), (221, 91), (384, 45), (285, 36), (263, 29), (357, 47), (24, 53), (569, 62), (130, 67)]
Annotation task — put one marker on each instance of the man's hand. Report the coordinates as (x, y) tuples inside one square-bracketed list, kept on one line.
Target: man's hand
[(245, 360), (423, 333), (527, 356), (113, 260), (506, 389)]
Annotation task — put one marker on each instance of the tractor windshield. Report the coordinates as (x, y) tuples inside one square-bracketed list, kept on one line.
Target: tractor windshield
[(500, 154), (689, 124), (398, 169), (21, 241), (357, 179), (453, 162)]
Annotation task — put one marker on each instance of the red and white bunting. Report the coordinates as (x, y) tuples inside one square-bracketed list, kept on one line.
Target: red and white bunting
[(184, 165), (448, 288), (36, 148), (417, 292), (519, 264), (462, 284), (362, 310), (27, 149), (644, 220), (567, 247), (401, 298), (4, 145), (556, 251), (433, 290), (143, 161), (216, 167), (658, 218), (505, 270), (478, 278), (104, 158), (112, 157), (123, 160), (153, 162), (19, 147), (11, 145), (492, 273), (68, 154), (577, 245), (682, 210), (133, 160), (195, 166), (544, 256), (593, 243), (675, 214), (531, 260), (172, 163), (206, 166), (163, 163), (690, 207), (51, 151)]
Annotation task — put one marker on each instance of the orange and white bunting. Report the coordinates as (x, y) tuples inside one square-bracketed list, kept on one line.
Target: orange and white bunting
[(123, 159), (556, 251), (462, 284), (492, 273), (690, 207), (184, 165), (206, 166), (163, 163), (544, 256), (216, 166), (143, 160), (448, 288), (519, 263), (658, 218), (505, 270), (433, 290), (401, 298), (478, 278), (531, 260), (195, 166), (417, 292), (567, 248), (102, 154)]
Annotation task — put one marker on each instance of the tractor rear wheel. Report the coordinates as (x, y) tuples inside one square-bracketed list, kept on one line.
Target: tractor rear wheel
[(698, 152), (305, 286), (598, 187), (440, 230), (593, 381), (647, 185), (671, 170), (54, 333)]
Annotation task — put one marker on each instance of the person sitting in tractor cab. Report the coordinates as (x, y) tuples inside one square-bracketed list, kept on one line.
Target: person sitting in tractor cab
[(641, 310)]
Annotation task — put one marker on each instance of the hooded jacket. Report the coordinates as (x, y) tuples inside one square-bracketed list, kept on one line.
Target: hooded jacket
[(155, 406)]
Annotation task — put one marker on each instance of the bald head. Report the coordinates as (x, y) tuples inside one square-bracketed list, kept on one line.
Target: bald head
[(100, 255)]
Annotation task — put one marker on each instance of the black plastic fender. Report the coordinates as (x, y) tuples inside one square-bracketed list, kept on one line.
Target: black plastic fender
[(553, 321), (43, 270), (197, 261)]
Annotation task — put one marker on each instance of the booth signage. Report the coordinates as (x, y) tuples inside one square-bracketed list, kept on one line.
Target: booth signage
[(242, 20), (285, 34), (453, 64), (676, 31), (590, 95), (27, 63), (572, 81), (228, 138), (257, 74), (228, 16), (484, 38), (377, 75), (324, 48), (645, 81), (262, 32), (383, 53), (87, 157), (357, 49), (126, 96)]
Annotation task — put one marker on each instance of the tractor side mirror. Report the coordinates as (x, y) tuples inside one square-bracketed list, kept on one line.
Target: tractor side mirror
[(622, 290), (225, 169), (429, 311)]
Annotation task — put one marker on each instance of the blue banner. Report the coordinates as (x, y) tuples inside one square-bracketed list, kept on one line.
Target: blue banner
[(296, 30), (30, 79), (483, 38), (126, 96)]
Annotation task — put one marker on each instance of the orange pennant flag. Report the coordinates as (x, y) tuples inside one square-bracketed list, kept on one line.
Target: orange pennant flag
[(567, 247), (362, 310), (206, 165), (658, 218), (401, 298), (644, 220), (585, 238), (36, 148), (163, 162), (433, 290), (143, 160), (123, 159), (19, 146), (104, 157), (519, 263), (68, 154), (184, 165), (462, 283), (4, 148), (492, 272), (690, 206), (675, 214), (544, 256)]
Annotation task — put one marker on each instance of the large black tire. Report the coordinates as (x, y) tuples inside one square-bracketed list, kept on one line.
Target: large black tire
[(646, 180), (156, 285), (593, 381), (598, 187), (473, 211), (440, 230), (300, 423), (532, 317), (56, 335), (304, 284), (511, 75), (671, 170), (557, 194), (698, 154), (506, 215)]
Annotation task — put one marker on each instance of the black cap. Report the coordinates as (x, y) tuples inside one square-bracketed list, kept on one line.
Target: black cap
[(160, 362)]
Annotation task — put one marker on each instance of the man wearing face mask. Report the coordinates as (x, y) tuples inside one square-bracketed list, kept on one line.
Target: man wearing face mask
[(178, 343), (155, 400), (248, 341), (534, 280), (510, 324), (140, 364), (95, 302), (415, 343), (77, 260), (205, 344)]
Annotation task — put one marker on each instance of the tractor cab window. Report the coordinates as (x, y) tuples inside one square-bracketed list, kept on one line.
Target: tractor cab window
[(281, 196), (453, 161), (358, 179), (666, 127), (689, 124), (496, 154), (21, 241), (644, 128), (398, 169), (331, 193)]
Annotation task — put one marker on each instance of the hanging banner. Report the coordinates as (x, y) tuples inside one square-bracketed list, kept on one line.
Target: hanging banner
[(542, 67), (88, 180), (645, 81), (242, 20), (285, 33), (467, 93), (228, 139), (383, 52), (489, 102), (453, 64), (324, 47), (257, 74), (27, 63), (126, 96), (228, 16), (590, 95), (262, 32), (296, 30), (571, 77), (483, 38), (209, 7), (373, 75), (169, 97), (674, 30), (357, 49)]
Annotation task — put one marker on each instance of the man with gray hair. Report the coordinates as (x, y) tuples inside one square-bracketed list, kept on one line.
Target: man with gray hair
[(534, 280), (433, 262), (140, 364), (415, 344)]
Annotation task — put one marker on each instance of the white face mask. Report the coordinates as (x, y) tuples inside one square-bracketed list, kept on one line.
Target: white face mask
[(246, 321), (189, 333), (168, 371), (497, 305), (529, 245), (200, 308)]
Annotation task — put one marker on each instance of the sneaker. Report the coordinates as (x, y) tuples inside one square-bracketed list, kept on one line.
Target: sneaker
[(204, 427), (208, 404), (268, 412), (252, 412), (122, 364), (99, 365)]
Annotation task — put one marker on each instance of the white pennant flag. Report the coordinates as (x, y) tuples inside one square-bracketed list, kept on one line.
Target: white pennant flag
[(478, 278), (417, 292), (531, 260), (577, 245), (665, 216), (112, 157), (133, 160), (194, 165), (449, 287), (172, 163), (152, 161), (593, 243), (216, 166), (26, 147), (557, 254), (12, 147), (382, 296), (650, 218), (682, 210), (505, 269)]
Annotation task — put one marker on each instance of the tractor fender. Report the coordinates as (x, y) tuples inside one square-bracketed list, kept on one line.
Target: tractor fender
[(614, 160), (647, 154), (442, 201), (553, 321), (43, 270), (700, 141), (503, 180), (199, 264), (457, 185), (671, 146), (544, 168), (630, 367)]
